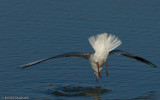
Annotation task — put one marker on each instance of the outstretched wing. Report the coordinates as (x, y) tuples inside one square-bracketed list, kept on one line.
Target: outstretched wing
[(119, 52), (70, 54)]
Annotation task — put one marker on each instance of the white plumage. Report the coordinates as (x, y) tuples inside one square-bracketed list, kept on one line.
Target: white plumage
[(102, 45)]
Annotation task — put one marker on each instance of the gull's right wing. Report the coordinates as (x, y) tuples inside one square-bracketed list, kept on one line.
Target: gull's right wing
[(119, 52), (70, 54)]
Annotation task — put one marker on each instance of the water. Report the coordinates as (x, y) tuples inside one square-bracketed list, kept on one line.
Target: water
[(32, 30)]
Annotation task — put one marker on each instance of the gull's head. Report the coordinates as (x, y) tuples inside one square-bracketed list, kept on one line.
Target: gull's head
[(95, 67)]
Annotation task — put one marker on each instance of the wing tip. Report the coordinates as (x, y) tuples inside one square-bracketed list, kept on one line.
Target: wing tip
[(23, 66), (28, 65), (153, 65)]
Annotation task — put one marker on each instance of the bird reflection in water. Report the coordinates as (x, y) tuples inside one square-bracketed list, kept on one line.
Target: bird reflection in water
[(73, 91)]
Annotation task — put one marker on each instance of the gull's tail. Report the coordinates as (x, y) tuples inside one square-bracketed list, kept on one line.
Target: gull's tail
[(104, 43)]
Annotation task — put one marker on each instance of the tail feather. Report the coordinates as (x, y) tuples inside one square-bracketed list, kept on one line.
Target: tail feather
[(115, 42), (104, 43)]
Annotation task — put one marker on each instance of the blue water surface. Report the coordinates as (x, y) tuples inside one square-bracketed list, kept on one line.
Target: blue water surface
[(35, 29)]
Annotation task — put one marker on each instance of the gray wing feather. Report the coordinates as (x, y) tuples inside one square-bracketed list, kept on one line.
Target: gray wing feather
[(70, 54), (119, 52)]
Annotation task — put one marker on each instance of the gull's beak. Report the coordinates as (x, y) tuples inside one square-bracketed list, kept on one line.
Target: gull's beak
[(96, 74)]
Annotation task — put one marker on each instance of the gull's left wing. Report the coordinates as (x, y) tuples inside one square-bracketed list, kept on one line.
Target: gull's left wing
[(119, 52), (70, 54)]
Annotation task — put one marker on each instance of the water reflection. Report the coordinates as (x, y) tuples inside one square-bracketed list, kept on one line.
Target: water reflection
[(81, 90), (94, 91)]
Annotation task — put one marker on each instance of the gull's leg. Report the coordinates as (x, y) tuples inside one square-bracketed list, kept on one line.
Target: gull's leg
[(98, 70), (107, 69)]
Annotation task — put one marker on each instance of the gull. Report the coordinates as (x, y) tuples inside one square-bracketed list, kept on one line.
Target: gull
[(103, 45)]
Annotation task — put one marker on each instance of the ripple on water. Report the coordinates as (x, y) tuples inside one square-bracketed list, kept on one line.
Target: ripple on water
[(74, 90)]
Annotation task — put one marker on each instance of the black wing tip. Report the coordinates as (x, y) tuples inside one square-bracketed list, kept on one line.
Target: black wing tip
[(153, 65), (145, 61)]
